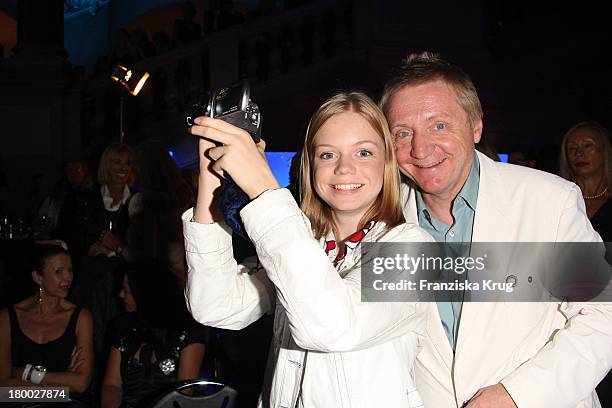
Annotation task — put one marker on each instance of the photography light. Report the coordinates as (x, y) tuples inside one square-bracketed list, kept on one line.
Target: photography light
[(130, 79)]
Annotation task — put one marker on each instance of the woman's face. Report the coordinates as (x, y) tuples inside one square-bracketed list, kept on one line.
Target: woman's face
[(56, 276), (585, 153), (120, 169), (348, 165), (126, 295)]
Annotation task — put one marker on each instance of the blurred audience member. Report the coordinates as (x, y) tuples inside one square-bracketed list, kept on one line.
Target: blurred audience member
[(89, 221), (586, 159), (521, 158), (44, 339), (90, 214), (155, 343), (155, 231), (485, 147), (75, 178)]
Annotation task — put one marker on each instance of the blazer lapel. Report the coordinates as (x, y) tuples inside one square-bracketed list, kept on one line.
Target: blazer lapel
[(489, 221)]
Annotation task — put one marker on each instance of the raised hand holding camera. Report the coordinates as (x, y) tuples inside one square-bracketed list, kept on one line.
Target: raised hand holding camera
[(239, 117), (238, 155)]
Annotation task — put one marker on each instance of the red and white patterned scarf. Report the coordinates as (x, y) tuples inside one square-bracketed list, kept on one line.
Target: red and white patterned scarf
[(331, 248)]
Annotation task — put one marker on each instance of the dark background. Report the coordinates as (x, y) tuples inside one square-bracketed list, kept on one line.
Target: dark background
[(539, 66)]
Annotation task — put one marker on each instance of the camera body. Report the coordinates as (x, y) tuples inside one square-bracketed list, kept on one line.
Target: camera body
[(233, 105)]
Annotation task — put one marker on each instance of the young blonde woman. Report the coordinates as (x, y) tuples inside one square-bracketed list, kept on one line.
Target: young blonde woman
[(329, 349)]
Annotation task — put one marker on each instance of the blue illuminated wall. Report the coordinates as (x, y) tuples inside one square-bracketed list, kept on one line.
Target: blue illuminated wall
[(280, 163)]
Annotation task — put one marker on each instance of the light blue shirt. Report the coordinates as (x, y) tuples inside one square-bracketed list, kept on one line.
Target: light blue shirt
[(463, 210)]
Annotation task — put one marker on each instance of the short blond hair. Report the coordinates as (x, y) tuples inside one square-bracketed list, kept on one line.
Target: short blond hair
[(387, 206), (424, 67), (112, 152), (602, 133)]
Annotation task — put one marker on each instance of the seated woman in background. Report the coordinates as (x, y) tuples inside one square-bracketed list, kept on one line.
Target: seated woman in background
[(155, 343), (330, 349), (155, 230), (46, 340), (586, 159), (87, 215)]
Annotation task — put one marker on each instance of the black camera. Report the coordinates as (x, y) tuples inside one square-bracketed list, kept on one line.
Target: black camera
[(233, 105)]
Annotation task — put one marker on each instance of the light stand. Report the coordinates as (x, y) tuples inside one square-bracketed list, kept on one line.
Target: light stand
[(131, 81)]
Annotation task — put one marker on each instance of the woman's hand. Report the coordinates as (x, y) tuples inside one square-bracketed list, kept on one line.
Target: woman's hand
[(109, 240), (96, 249), (76, 360), (239, 155)]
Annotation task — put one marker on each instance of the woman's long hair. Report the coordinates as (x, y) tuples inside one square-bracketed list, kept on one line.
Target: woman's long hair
[(387, 206)]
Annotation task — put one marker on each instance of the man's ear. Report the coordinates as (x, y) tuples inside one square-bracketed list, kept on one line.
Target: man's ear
[(477, 131)]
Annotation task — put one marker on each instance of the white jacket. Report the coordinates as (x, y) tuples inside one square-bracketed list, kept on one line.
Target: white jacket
[(545, 354), (359, 355)]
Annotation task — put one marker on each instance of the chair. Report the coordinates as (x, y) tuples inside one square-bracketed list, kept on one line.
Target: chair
[(225, 397)]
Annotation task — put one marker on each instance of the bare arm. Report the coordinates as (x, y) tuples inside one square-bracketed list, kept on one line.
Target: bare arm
[(190, 361), (208, 184), (219, 292), (78, 376), (111, 384), (7, 376)]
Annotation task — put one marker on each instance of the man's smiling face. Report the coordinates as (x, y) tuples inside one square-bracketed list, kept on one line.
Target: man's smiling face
[(433, 137)]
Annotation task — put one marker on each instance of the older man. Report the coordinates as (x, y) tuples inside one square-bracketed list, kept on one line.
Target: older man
[(491, 354)]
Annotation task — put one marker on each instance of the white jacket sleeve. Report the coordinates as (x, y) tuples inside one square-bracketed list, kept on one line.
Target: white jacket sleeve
[(220, 292), (324, 310), (567, 369)]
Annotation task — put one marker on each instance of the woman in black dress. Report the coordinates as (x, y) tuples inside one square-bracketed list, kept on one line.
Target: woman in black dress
[(46, 340), (155, 343), (586, 159)]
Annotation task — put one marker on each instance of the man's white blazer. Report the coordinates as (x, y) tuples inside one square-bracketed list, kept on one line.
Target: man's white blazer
[(545, 354)]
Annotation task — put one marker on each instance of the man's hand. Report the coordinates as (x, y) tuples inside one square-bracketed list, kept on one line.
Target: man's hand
[(493, 396)]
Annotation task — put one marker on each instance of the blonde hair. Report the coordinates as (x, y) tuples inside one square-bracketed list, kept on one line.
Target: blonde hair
[(387, 206), (112, 152), (602, 133), (424, 67)]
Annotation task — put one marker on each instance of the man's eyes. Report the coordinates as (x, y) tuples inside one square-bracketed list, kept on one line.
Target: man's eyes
[(440, 126), (404, 133)]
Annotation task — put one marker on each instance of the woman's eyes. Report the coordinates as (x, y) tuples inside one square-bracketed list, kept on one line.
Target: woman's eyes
[(330, 155)]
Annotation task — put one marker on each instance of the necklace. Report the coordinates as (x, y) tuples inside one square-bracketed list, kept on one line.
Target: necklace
[(605, 190)]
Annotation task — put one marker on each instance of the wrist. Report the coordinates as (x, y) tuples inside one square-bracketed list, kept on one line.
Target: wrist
[(259, 190), (37, 374), (25, 375)]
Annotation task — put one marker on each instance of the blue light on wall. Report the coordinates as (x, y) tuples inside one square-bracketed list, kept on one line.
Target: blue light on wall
[(280, 163), (503, 157)]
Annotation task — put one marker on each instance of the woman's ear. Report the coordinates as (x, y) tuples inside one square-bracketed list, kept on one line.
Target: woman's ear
[(37, 278)]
